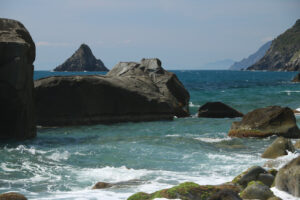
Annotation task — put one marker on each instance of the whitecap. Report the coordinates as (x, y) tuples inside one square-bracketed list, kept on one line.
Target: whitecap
[(57, 156), (283, 195), (193, 105), (213, 140)]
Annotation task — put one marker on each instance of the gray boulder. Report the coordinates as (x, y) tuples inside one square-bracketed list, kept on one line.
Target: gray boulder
[(129, 92), (17, 53), (257, 190), (264, 122), (278, 148), (288, 177)]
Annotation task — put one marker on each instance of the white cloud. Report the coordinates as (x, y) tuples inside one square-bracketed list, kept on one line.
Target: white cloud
[(51, 44)]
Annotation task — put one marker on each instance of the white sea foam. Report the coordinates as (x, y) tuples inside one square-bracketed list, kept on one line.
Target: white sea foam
[(58, 156), (193, 105), (283, 195), (281, 161), (213, 140)]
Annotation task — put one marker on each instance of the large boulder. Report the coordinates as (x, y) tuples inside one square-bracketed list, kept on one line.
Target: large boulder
[(288, 177), (279, 147), (12, 196), (17, 53), (264, 122), (129, 92), (218, 110), (257, 190)]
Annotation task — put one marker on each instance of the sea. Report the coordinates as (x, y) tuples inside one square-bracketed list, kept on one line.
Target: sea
[(64, 163)]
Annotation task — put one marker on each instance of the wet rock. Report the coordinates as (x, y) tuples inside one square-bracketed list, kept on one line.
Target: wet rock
[(129, 92), (225, 195), (278, 148), (266, 179), (102, 185), (264, 122), (296, 79), (288, 177), (218, 110), (249, 175), (17, 51), (12, 196), (257, 190), (297, 144)]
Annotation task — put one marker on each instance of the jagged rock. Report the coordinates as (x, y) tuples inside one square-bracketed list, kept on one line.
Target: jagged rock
[(82, 60), (278, 148), (296, 79), (218, 110), (257, 190), (129, 92), (288, 177), (12, 196), (284, 53), (17, 51), (264, 122)]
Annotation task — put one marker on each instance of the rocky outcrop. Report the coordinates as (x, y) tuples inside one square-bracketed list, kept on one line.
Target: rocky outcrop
[(284, 53), (218, 110), (82, 60), (129, 92), (12, 196), (253, 58), (257, 190), (296, 79), (17, 51), (264, 122), (279, 147), (288, 177)]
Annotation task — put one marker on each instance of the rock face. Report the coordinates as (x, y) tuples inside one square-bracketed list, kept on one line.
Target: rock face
[(218, 110), (247, 62), (296, 79), (82, 60), (264, 122), (284, 53), (129, 92), (17, 53), (12, 196), (278, 148), (288, 177), (257, 190)]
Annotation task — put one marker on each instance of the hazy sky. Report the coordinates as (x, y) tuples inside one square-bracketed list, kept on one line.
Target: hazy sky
[(184, 34)]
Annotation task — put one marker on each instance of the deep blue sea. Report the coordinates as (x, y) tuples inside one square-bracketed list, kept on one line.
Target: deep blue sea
[(65, 163)]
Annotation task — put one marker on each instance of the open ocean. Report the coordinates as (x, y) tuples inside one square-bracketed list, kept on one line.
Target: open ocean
[(65, 163)]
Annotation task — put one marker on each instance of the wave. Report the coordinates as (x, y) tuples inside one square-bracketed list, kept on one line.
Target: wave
[(193, 105), (213, 140)]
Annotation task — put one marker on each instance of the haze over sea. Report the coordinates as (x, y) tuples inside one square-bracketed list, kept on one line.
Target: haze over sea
[(65, 163)]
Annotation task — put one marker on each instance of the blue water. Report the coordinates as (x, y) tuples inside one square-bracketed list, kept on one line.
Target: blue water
[(64, 163)]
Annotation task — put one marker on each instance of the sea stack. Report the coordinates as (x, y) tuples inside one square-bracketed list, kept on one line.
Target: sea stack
[(17, 53), (82, 60)]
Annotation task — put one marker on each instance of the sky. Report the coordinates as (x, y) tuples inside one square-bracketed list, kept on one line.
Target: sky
[(184, 34)]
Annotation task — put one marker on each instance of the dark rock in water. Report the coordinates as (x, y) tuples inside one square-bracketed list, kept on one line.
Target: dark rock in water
[(278, 148), (17, 51), (129, 92), (296, 79), (266, 179), (102, 185), (186, 191), (288, 177), (284, 53), (12, 196), (249, 175), (257, 190), (247, 62), (264, 122), (218, 110), (225, 195), (82, 60)]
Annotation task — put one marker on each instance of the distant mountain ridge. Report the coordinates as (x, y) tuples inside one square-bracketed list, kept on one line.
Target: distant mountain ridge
[(253, 58), (284, 52), (82, 60), (219, 64)]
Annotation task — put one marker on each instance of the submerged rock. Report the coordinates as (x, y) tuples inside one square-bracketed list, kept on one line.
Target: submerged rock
[(257, 190), (102, 185), (82, 60), (129, 92), (288, 177), (264, 122), (12, 196), (17, 51), (278, 148), (218, 110)]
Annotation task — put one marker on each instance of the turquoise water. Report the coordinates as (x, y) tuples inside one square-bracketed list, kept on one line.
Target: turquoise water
[(65, 163)]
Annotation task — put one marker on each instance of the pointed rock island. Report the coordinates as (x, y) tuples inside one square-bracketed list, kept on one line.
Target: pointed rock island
[(82, 60)]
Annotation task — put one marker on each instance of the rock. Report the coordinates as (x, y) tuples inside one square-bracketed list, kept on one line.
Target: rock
[(129, 92), (274, 198), (82, 60), (102, 185), (12, 196), (284, 53), (257, 190), (278, 148), (264, 122), (266, 179), (225, 195), (297, 144), (296, 79), (218, 110), (249, 175), (17, 51), (186, 191), (288, 177)]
